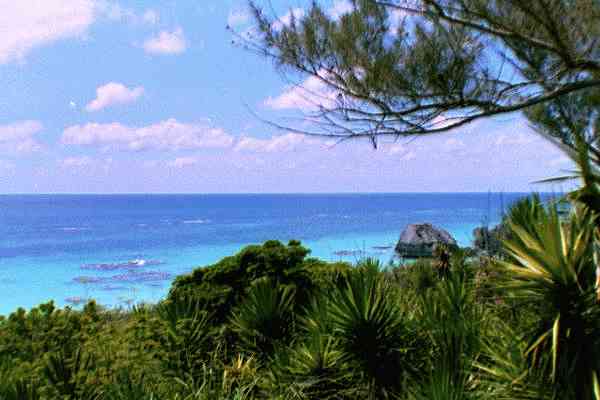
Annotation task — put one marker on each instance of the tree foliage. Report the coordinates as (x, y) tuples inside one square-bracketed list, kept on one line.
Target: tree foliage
[(415, 67), (396, 68)]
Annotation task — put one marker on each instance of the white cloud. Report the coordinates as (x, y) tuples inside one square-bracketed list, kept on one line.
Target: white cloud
[(279, 144), (164, 135), (396, 18), (86, 164), (150, 164), (400, 152), (560, 161), (114, 11), (166, 43), (237, 18), (7, 165), (150, 17), (516, 139), (309, 96), (411, 155), (286, 19), (114, 93), (76, 162), (182, 162), (19, 136), (396, 149), (454, 144), (339, 8), (27, 24), (28, 146), (442, 121), (336, 11), (19, 131)]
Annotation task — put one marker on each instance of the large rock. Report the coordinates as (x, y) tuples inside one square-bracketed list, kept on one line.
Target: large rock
[(419, 240)]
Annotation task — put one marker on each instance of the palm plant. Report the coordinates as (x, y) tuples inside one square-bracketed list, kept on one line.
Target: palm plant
[(504, 372), (314, 369), (315, 319), (185, 334), (214, 383), (240, 374), (440, 386), (66, 373), (265, 319), (373, 332), (583, 149), (128, 387), (454, 321), (550, 269), (19, 390)]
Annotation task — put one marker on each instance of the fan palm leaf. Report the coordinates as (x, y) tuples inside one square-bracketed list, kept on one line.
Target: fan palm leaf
[(373, 332), (550, 267), (264, 320)]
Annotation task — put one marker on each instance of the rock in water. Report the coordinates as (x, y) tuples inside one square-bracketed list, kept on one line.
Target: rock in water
[(419, 240)]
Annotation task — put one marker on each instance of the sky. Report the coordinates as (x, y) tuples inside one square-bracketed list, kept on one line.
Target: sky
[(117, 96)]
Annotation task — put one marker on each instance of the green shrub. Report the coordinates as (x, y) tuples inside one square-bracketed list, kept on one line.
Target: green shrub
[(375, 335), (264, 320), (219, 288)]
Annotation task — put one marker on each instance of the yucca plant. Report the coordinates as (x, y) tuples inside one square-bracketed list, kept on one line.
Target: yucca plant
[(66, 373), (186, 333), (264, 320), (374, 335), (550, 269), (19, 390), (454, 322), (128, 387), (240, 373), (441, 385), (315, 319), (313, 369), (209, 385), (585, 153), (504, 372)]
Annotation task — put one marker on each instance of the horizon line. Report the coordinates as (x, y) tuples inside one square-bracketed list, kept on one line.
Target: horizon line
[(262, 193)]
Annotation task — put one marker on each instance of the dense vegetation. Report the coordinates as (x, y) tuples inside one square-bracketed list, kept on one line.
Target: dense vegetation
[(269, 322), (520, 322)]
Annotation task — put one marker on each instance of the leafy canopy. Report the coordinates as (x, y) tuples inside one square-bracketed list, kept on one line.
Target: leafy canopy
[(414, 67)]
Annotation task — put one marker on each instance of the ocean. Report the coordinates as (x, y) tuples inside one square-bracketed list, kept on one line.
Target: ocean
[(126, 249)]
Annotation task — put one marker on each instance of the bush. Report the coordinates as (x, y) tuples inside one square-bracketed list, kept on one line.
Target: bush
[(219, 288)]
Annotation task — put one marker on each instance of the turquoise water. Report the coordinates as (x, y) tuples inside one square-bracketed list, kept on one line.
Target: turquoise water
[(125, 249)]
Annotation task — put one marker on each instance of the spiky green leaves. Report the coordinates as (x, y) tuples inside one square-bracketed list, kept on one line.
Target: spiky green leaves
[(185, 334), (373, 332), (313, 369), (551, 270), (264, 320)]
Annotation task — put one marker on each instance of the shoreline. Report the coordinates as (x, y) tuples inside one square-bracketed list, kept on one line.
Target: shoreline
[(70, 277)]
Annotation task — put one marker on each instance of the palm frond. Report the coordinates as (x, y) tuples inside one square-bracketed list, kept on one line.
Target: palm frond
[(550, 267)]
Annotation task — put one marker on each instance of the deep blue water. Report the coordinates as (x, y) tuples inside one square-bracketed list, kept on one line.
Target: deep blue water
[(121, 249)]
